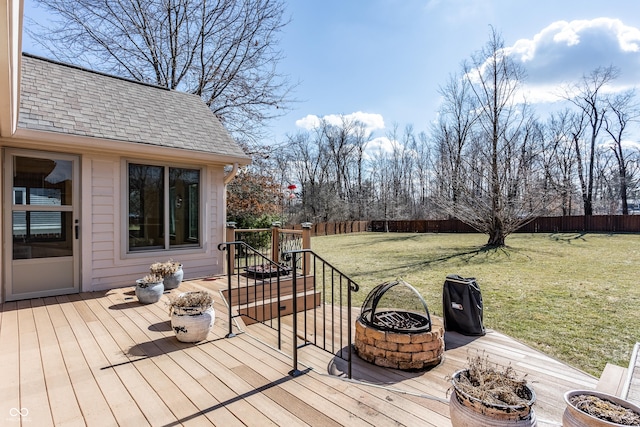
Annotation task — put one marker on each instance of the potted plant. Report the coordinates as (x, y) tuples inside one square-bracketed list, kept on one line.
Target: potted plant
[(490, 395), (192, 315), (149, 289), (171, 271), (593, 408)]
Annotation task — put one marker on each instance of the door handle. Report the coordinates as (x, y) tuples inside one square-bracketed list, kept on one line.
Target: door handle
[(77, 229)]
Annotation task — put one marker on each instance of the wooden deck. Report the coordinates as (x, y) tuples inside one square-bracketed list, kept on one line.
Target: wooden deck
[(103, 359), (631, 390)]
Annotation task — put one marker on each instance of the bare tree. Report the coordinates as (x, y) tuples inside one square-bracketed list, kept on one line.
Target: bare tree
[(592, 105), (559, 158), (224, 51), (422, 174), (452, 132), (497, 197), (622, 113), (309, 160)]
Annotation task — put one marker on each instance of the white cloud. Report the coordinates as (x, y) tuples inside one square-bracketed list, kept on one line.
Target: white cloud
[(382, 145), (565, 51), (371, 121), (309, 122)]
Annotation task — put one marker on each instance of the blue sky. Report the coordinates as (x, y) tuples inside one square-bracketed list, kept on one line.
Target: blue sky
[(384, 60)]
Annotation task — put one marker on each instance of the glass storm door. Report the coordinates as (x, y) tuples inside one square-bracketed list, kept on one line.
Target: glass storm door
[(41, 225)]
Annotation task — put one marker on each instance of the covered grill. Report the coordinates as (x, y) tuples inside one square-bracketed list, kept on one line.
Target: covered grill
[(395, 329)]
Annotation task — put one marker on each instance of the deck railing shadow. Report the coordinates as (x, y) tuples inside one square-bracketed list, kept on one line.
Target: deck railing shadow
[(227, 402), (369, 373)]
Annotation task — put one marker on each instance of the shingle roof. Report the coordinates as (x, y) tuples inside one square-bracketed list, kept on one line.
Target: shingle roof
[(62, 98)]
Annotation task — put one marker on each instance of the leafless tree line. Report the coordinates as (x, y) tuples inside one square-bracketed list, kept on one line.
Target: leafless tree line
[(488, 160)]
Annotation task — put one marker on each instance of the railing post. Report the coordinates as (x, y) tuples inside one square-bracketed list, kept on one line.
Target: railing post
[(295, 372), (230, 247), (231, 237), (349, 329), (306, 244), (275, 242)]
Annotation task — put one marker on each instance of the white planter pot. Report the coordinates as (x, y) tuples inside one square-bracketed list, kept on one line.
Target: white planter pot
[(149, 293), (191, 324), (172, 281)]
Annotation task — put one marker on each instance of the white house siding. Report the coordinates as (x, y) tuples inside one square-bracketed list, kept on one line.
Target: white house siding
[(104, 235), (110, 265), (4, 244)]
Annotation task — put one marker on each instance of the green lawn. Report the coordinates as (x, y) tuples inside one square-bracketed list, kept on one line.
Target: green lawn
[(573, 296)]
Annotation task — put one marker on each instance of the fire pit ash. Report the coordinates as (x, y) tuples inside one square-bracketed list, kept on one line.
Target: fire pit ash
[(395, 329)]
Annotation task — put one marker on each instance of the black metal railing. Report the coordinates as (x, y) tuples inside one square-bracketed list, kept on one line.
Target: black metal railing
[(253, 278), (327, 324), (301, 277)]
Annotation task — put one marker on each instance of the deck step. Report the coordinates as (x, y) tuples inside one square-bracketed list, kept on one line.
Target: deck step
[(260, 290), (259, 311), (612, 380)]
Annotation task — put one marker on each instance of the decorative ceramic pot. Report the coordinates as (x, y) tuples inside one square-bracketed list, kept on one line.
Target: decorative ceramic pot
[(468, 411), (192, 324), (173, 280), (574, 417), (149, 293)]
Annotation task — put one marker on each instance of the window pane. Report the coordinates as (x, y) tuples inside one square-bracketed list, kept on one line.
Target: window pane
[(39, 181), (38, 234), (184, 207), (146, 207)]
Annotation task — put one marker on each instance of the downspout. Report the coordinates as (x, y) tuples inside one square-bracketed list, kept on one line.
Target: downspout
[(232, 173)]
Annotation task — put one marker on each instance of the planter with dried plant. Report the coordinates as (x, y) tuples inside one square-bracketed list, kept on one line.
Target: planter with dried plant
[(171, 271), (596, 409), (192, 315), (149, 289), (490, 395)]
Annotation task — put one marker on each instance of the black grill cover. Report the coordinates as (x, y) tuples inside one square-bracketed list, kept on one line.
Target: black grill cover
[(462, 305)]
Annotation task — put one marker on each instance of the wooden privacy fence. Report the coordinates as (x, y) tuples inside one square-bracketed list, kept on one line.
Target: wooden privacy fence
[(547, 224), (550, 224), (330, 228)]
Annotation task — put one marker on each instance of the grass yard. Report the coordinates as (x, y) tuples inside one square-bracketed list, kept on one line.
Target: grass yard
[(573, 296)]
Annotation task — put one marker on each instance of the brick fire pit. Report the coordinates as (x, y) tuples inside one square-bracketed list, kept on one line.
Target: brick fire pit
[(400, 350), (395, 330)]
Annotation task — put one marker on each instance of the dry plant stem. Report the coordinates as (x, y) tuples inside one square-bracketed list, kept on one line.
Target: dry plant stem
[(164, 268), (493, 384), (152, 278), (605, 410), (192, 299)]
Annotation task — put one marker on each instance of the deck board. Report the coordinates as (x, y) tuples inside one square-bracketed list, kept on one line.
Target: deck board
[(62, 399), (90, 334), (104, 359), (91, 402), (33, 388)]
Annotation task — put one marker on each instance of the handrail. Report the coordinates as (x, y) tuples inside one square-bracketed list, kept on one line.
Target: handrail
[(323, 294), (320, 277), (232, 270)]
